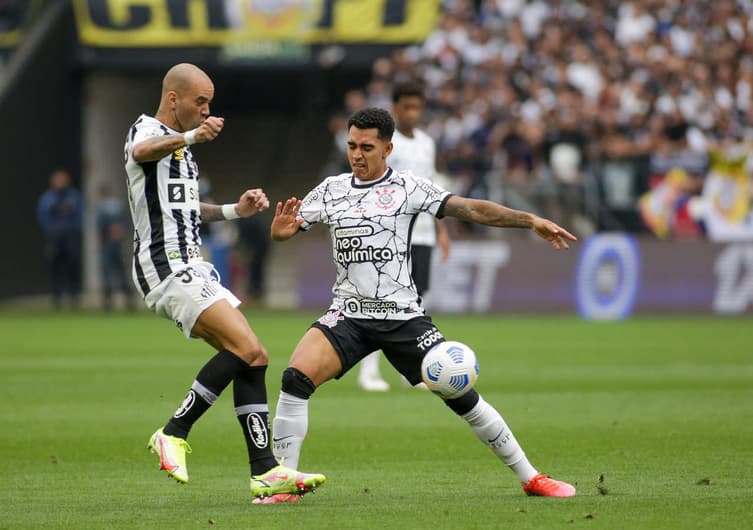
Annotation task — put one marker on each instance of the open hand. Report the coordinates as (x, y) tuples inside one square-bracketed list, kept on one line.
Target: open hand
[(552, 232), (286, 221)]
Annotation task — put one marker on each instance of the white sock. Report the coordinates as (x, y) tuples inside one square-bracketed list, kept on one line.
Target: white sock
[(289, 428), (492, 430), (370, 367)]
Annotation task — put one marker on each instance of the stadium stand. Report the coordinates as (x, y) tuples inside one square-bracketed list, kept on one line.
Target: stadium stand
[(579, 110)]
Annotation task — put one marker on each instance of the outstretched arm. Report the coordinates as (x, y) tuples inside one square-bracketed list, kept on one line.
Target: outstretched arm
[(286, 221), (493, 214), (250, 203)]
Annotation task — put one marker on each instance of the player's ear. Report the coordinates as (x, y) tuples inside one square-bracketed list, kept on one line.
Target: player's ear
[(172, 99), (387, 150)]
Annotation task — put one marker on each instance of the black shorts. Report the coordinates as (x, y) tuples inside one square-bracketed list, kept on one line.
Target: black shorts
[(404, 342), (420, 256)]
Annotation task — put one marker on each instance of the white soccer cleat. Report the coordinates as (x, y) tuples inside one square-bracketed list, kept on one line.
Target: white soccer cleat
[(406, 384), (373, 384)]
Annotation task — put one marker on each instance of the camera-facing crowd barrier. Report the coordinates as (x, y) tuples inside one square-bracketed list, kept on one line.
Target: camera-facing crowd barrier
[(607, 276)]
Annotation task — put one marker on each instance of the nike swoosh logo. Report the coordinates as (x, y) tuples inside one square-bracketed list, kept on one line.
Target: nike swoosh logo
[(282, 438), (491, 441)]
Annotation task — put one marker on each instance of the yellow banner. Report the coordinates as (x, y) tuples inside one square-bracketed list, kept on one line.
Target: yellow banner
[(10, 39), (164, 23)]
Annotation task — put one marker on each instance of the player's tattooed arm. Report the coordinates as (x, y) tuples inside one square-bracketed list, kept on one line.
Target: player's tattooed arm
[(250, 203), (158, 147), (487, 213), (211, 212), (493, 214)]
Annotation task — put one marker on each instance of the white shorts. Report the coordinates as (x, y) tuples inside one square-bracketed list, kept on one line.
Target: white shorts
[(185, 294)]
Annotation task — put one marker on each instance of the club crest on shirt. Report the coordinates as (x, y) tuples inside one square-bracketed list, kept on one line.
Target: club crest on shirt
[(385, 198), (331, 319)]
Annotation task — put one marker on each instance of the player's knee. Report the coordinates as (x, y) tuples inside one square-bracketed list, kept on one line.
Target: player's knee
[(296, 383), (464, 403), (252, 351)]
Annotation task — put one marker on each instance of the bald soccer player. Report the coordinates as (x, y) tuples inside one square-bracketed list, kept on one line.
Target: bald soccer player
[(176, 283)]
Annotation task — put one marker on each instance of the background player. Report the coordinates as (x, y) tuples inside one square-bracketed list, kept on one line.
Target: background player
[(415, 151), (163, 191), (370, 212)]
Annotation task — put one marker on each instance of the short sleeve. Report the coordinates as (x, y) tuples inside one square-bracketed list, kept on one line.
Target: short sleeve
[(425, 196), (146, 131), (312, 206)]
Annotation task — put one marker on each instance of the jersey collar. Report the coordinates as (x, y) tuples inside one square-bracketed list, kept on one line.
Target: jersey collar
[(355, 184)]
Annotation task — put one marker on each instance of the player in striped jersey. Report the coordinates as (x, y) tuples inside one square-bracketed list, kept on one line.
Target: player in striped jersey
[(163, 191), (370, 213)]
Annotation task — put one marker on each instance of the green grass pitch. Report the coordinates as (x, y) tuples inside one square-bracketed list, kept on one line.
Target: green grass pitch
[(651, 418)]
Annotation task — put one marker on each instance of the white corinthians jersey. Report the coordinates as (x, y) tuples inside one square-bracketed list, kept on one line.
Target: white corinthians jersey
[(417, 155), (370, 225), (164, 199)]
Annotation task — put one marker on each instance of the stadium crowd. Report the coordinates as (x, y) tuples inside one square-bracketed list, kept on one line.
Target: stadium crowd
[(604, 115)]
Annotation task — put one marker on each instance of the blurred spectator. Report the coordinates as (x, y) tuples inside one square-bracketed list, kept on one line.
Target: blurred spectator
[(113, 227), (338, 124), (217, 237), (503, 76), (60, 213), (254, 238), (678, 171)]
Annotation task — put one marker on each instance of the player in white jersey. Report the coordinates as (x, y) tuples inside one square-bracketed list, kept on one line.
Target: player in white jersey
[(176, 283), (370, 213), (415, 151)]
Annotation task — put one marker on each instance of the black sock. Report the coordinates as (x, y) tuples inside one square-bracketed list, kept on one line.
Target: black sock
[(211, 380), (252, 409)]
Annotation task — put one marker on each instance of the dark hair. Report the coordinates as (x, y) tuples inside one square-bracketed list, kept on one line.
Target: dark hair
[(407, 89), (676, 130), (374, 118)]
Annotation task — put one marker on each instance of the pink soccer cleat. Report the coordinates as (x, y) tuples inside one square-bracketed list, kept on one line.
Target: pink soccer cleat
[(277, 498), (543, 486)]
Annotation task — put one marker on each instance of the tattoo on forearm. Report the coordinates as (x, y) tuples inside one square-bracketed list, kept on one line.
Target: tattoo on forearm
[(460, 210), (211, 212), (159, 147), (487, 213)]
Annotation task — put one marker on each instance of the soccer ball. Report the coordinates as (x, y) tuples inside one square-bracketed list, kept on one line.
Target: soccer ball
[(450, 369)]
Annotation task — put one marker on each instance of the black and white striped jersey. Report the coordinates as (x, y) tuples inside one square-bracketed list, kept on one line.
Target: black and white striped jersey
[(164, 199), (370, 225)]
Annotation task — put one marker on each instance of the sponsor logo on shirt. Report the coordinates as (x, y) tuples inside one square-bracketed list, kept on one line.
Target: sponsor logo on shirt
[(427, 187), (349, 247), (353, 305), (313, 196)]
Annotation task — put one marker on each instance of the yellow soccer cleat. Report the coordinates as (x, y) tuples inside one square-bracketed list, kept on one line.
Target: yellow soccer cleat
[(172, 454), (281, 479)]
